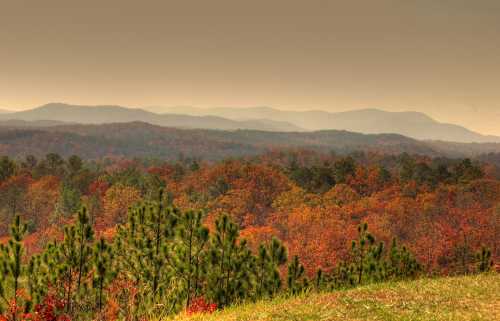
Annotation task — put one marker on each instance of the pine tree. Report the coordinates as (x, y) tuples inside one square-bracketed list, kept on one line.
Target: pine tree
[(319, 280), (38, 284), (7, 168), (343, 275), (68, 264), (401, 263), (464, 255), (104, 271), (484, 260), (84, 238), (269, 259), (231, 261), (279, 256), (69, 200), (360, 250), (295, 276), (375, 266), (261, 270), (44, 271), (64, 266), (11, 268), (190, 253), (144, 249)]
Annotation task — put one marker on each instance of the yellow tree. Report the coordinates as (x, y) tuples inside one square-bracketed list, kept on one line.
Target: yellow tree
[(41, 198), (117, 200)]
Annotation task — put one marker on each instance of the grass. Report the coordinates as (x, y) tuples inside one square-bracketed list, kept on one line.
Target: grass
[(458, 298)]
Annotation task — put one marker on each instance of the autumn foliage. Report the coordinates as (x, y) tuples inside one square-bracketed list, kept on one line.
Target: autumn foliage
[(199, 305), (444, 214)]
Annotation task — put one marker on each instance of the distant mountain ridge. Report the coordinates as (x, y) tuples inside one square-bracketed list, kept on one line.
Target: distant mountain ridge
[(143, 140), (368, 121), (16, 123), (117, 114), (149, 141)]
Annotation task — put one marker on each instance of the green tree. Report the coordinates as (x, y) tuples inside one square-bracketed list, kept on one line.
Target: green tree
[(53, 165), (12, 198), (104, 272), (343, 169), (269, 259), (29, 163), (319, 279), (69, 200), (84, 237), (484, 260), (231, 261), (67, 265), (401, 264), (406, 168), (44, 272), (7, 168), (11, 268), (466, 171), (191, 252), (360, 249), (344, 276), (295, 278), (144, 249), (74, 164)]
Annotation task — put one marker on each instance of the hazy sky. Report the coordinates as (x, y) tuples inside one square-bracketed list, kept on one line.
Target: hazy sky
[(441, 57)]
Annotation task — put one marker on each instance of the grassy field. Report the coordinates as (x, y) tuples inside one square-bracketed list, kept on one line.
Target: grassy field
[(459, 298)]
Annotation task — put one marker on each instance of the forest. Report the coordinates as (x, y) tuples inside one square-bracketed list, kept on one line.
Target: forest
[(147, 141), (122, 239)]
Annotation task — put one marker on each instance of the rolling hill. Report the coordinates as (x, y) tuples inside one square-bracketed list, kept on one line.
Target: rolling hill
[(143, 140), (116, 114), (369, 121), (16, 123)]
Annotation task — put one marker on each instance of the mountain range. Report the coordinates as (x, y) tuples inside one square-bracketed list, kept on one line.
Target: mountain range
[(104, 114), (143, 140), (368, 121)]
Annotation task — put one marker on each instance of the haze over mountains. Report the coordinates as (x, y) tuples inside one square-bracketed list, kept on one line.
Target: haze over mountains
[(118, 114), (368, 121)]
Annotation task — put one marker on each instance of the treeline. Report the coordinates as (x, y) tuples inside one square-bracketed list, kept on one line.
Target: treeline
[(164, 260), (322, 177)]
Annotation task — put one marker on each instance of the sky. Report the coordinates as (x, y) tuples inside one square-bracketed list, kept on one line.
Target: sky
[(441, 57)]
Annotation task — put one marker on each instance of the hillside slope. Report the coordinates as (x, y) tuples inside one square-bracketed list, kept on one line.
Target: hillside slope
[(368, 121), (137, 139), (461, 298), (115, 114), (145, 140)]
